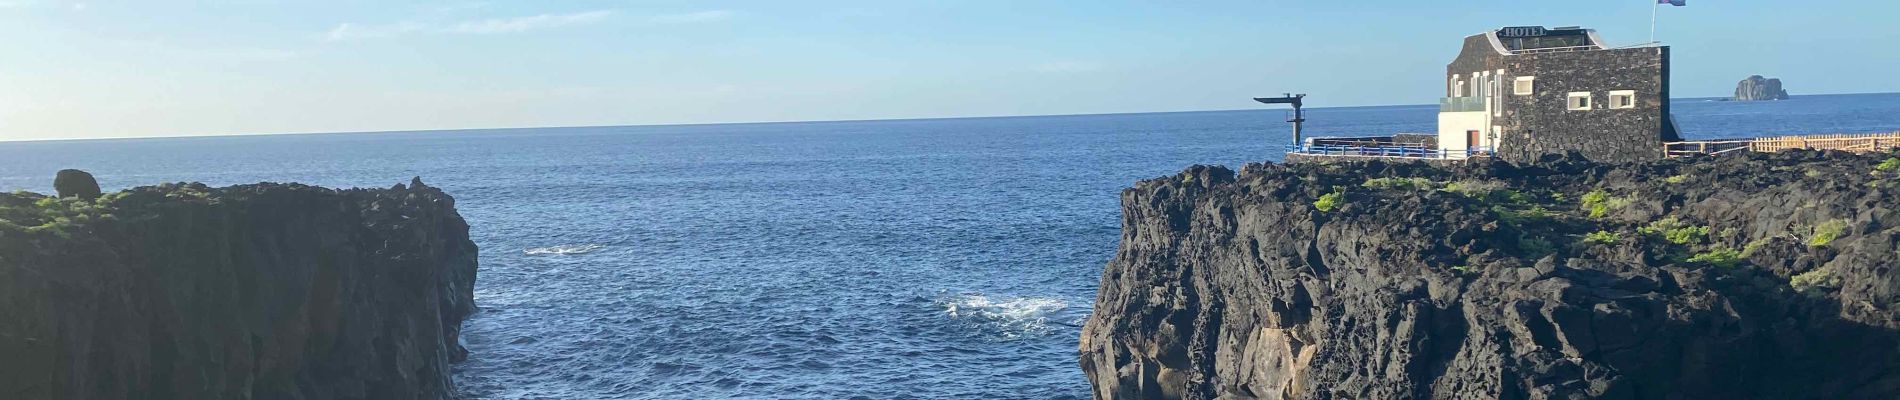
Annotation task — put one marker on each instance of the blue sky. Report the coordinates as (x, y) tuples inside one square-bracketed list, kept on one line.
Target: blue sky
[(152, 68)]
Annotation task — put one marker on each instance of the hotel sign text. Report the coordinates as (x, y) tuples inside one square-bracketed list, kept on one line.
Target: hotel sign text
[(1521, 31)]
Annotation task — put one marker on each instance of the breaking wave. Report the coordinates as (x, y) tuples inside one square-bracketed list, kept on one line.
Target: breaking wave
[(1009, 317), (565, 249)]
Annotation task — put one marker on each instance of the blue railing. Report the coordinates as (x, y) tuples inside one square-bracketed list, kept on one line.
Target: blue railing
[(1409, 152)]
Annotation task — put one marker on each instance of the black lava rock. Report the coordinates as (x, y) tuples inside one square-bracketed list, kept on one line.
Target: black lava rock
[(1761, 276), (267, 291), (76, 183)]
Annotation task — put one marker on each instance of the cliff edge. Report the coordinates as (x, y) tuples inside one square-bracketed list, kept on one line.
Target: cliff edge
[(266, 291), (1763, 276)]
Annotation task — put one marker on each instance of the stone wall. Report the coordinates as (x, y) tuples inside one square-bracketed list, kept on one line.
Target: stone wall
[(1416, 139)]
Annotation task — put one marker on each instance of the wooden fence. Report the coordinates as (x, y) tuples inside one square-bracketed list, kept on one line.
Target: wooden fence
[(1855, 142)]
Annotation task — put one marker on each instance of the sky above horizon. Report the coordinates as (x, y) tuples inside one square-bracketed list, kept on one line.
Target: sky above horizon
[(97, 69)]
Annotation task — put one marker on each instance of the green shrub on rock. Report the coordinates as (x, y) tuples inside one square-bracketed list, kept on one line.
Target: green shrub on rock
[(1602, 237), (1676, 231), (1600, 203), (1330, 201), (1891, 164), (1826, 232), (1686, 235), (1720, 257), (1813, 280)]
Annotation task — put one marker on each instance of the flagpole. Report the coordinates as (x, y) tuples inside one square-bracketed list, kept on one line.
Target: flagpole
[(1653, 5)]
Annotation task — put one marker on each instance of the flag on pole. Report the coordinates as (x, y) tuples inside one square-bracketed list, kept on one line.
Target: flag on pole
[(1677, 3)]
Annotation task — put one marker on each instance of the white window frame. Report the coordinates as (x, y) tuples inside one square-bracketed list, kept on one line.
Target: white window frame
[(1524, 85), (1624, 94), (1570, 101)]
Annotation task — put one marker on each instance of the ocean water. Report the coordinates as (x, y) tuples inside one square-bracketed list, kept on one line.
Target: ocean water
[(951, 258)]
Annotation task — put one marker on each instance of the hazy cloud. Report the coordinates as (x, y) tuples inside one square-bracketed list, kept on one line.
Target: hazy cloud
[(353, 31), (524, 24), (691, 18)]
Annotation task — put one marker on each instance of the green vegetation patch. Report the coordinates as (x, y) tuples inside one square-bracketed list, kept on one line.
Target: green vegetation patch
[(1814, 280), (1330, 201), (1676, 231), (1720, 257), (1397, 183), (1754, 246), (34, 213), (1602, 237), (1892, 163), (1826, 232), (1677, 178), (1600, 203), (1473, 188), (1687, 235)]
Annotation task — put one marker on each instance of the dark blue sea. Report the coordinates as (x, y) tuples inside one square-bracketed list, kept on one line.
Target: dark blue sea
[(948, 258)]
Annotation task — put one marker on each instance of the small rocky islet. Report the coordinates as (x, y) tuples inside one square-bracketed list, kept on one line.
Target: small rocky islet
[(1757, 88), (1766, 276)]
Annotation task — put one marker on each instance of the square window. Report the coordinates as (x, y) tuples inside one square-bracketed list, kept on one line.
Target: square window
[(1578, 101), (1523, 85), (1622, 99)]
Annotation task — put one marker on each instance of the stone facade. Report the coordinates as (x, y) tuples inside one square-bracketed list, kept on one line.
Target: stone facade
[(1522, 127)]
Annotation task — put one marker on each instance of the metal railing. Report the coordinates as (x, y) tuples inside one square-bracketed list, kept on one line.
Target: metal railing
[(1400, 152), (1460, 104), (1565, 49), (1859, 142)]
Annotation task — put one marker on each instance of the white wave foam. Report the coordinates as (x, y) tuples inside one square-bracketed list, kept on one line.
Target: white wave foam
[(1012, 316), (565, 249)]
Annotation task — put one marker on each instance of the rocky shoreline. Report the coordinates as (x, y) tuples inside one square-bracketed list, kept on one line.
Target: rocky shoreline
[(1763, 276), (266, 291)]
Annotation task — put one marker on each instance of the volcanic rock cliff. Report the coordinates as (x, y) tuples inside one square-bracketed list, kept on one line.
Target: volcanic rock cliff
[(1746, 277), (267, 291)]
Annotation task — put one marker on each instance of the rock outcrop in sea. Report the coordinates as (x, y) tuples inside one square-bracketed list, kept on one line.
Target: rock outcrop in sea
[(1758, 88), (1760, 276), (266, 291)]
